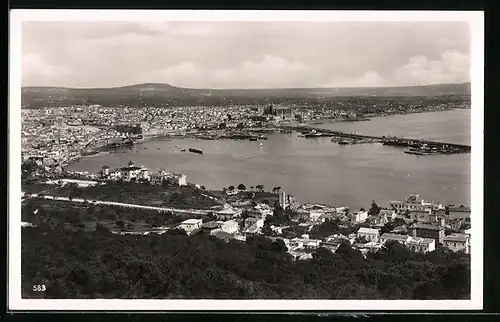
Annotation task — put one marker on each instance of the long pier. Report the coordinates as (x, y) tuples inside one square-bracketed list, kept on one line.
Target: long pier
[(393, 141)]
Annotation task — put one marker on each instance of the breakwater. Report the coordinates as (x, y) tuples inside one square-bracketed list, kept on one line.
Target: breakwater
[(438, 147)]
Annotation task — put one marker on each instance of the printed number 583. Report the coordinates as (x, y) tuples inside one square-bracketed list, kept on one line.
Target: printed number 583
[(39, 288)]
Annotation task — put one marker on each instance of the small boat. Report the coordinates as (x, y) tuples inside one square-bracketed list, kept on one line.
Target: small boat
[(195, 151), (183, 150), (253, 139), (261, 144), (343, 142)]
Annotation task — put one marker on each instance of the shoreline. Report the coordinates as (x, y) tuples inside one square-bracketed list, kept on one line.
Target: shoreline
[(341, 120), (166, 137)]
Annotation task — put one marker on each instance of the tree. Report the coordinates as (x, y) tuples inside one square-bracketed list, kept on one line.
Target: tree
[(230, 188), (267, 231), (361, 240), (241, 186), (374, 210), (251, 188), (259, 187), (203, 188)]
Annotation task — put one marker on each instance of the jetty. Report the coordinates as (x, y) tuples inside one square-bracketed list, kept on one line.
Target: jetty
[(434, 146)]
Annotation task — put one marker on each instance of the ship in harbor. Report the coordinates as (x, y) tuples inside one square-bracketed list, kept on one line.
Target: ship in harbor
[(195, 151)]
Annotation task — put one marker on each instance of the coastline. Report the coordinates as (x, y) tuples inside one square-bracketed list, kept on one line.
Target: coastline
[(367, 119), (166, 137)]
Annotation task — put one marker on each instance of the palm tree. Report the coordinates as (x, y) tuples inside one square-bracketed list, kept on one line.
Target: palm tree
[(241, 186), (278, 189)]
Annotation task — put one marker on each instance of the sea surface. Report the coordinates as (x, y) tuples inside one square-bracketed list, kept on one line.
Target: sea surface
[(317, 170)]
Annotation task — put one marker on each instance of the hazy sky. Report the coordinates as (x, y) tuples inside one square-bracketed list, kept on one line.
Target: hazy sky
[(244, 54)]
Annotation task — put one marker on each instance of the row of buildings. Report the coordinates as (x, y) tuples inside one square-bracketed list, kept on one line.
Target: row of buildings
[(140, 173), (419, 236)]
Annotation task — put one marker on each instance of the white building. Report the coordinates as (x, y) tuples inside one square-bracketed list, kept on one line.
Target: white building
[(403, 239), (359, 216), (156, 178), (190, 224), (230, 227), (228, 213), (457, 242), (130, 172), (115, 175), (372, 235), (420, 244), (414, 203), (143, 174)]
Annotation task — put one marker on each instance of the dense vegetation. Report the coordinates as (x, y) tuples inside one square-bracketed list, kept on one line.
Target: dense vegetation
[(88, 216), (101, 265)]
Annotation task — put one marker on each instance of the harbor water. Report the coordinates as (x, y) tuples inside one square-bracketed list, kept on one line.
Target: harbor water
[(318, 170)]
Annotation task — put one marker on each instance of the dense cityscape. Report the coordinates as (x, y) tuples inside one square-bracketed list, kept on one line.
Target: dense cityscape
[(256, 160), (135, 200)]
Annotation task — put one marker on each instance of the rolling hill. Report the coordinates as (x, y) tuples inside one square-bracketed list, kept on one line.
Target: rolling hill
[(157, 94)]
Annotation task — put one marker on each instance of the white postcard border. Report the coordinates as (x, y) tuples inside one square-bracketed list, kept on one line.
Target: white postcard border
[(15, 302)]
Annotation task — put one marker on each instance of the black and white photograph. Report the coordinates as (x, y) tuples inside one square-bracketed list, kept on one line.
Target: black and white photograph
[(301, 160)]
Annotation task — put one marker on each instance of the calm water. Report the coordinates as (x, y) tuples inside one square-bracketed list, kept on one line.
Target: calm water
[(317, 170)]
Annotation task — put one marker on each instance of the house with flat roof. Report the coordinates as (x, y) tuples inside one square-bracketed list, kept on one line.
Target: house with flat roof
[(457, 242), (419, 244), (403, 239), (230, 227), (190, 225), (370, 234), (427, 231), (228, 213)]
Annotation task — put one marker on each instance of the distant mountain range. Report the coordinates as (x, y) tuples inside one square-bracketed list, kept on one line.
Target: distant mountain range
[(165, 94)]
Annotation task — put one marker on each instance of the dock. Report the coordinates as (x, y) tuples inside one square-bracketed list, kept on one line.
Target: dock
[(438, 147)]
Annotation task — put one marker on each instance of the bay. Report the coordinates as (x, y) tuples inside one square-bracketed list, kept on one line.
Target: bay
[(317, 170)]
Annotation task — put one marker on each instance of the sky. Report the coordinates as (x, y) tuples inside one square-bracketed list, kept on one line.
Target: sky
[(245, 54)]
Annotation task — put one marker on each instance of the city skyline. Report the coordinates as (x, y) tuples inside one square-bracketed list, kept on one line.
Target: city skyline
[(246, 55)]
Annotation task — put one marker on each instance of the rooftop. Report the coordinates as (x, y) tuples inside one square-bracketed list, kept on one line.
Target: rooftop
[(426, 226), (223, 235), (455, 238), (191, 221), (419, 241), (212, 225), (364, 230), (459, 209), (395, 237)]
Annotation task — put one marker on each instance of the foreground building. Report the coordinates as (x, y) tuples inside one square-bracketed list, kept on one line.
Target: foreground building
[(372, 235), (419, 244), (457, 242), (190, 225), (427, 231)]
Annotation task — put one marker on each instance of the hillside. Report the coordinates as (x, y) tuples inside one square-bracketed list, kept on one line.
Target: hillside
[(157, 94)]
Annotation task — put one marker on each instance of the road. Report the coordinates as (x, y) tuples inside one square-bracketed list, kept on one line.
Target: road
[(126, 205)]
